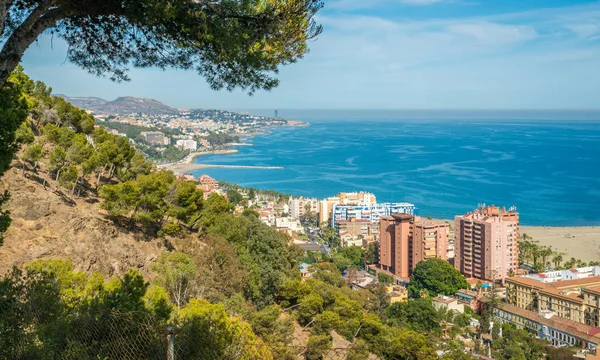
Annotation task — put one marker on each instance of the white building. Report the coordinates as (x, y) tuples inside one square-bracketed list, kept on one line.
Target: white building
[(571, 274), (371, 212), (290, 223), (297, 207), (190, 145)]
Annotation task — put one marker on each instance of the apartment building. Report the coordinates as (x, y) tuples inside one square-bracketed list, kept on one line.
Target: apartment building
[(343, 198), (591, 302), (486, 245), (299, 206), (559, 332), (155, 138), (371, 212), (406, 240), (190, 145), (576, 299)]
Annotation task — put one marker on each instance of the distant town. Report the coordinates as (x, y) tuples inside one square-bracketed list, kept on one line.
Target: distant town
[(165, 134)]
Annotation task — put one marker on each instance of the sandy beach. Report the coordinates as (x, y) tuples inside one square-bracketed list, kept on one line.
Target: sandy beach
[(187, 164), (580, 242)]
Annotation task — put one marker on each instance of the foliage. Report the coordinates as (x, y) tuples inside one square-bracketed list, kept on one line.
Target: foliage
[(176, 272), (385, 278), (151, 199), (416, 314), (217, 139), (275, 330), (372, 253), (211, 334), (4, 215), (317, 347), (234, 197), (13, 111), (33, 153), (436, 276), (46, 310)]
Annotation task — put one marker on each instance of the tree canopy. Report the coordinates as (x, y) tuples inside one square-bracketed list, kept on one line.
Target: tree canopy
[(235, 43), (436, 276)]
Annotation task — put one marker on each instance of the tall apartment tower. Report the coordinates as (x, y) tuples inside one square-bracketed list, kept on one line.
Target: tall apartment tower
[(406, 240), (394, 233), (487, 243)]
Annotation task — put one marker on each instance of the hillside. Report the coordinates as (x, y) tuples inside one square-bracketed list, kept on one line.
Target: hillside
[(48, 225), (122, 105)]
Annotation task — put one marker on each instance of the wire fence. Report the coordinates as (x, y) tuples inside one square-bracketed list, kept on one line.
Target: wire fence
[(137, 336)]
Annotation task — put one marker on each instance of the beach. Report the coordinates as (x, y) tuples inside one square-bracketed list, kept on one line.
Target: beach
[(580, 242), (187, 164)]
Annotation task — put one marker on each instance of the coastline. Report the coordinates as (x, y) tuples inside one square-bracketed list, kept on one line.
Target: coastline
[(187, 163)]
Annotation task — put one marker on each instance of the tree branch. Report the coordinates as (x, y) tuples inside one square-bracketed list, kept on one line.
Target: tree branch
[(24, 35)]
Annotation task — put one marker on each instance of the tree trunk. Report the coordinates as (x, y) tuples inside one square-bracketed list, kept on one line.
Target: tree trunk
[(22, 37)]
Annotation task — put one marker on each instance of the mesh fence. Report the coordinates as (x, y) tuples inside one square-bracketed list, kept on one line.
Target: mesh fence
[(136, 336)]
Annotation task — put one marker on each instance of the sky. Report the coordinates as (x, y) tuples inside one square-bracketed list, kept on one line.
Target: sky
[(395, 54)]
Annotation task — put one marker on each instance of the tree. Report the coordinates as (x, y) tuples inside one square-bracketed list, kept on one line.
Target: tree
[(232, 43), (372, 254), (317, 346), (176, 273), (4, 215), (557, 259), (234, 196), (13, 111), (437, 277), (207, 332), (24, 133), (418, 315), (251, 194), (385, 278), (33, 153)]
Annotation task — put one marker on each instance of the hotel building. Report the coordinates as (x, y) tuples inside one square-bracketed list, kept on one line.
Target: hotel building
[(487, 243)]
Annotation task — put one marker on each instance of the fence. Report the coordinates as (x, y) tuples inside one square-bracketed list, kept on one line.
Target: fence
[(137, 336)]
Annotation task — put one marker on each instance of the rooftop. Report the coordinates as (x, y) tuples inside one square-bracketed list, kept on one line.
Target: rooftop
[(583, 331)]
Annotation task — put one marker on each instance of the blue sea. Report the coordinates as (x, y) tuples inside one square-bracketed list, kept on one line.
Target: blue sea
[(547, 164)]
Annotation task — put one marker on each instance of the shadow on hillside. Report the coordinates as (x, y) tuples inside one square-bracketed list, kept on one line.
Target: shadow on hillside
[(66, 199), (139, 231)]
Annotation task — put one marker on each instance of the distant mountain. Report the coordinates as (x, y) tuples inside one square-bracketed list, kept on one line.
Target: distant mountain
[(122, 105), (85, 102)]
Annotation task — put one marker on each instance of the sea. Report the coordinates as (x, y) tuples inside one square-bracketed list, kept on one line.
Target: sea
[(546, 164)]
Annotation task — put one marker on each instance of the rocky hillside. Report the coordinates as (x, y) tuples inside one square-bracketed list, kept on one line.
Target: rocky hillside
[(48, 224), (122, 105)]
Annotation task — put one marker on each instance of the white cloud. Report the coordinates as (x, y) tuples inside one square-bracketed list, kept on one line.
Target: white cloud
[(421, 2), (367, 4), (536, 59)]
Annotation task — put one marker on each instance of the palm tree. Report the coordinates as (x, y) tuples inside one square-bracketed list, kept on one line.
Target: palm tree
[(557, 259), (545, 252)]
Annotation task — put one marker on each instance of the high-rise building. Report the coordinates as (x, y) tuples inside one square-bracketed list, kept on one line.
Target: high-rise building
[(487, 243), (404, 241), (429, 240), (371, 212), (393, 244), (344, 198)]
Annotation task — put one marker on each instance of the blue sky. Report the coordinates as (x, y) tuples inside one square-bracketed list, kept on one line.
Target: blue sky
[(397, 54)]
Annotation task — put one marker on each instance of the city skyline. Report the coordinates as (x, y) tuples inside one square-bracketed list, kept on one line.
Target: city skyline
[(401, 54)]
